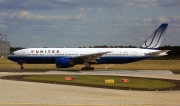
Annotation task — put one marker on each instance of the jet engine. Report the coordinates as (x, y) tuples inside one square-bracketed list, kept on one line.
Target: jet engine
[(64, 63)]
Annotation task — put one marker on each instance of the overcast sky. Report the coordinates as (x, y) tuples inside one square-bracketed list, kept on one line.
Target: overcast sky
[(74, 23)]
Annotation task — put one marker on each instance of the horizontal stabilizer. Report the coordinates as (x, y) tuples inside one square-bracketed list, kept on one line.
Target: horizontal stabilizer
[(159, 53)]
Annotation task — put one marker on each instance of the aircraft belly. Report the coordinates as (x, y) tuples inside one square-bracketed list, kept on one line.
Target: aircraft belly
[(34, 60), (121, 60)]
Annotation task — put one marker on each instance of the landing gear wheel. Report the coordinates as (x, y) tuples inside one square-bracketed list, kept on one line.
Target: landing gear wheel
[(88, 68), (21, 64), (22, 67)]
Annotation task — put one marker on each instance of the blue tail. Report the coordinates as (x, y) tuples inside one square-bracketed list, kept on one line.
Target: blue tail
[(155, 39)]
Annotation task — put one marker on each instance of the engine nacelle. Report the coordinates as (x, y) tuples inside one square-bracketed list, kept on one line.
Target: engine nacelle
[(64, 63)]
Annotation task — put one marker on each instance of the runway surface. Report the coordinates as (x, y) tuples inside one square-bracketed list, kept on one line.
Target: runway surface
[(32, 93)]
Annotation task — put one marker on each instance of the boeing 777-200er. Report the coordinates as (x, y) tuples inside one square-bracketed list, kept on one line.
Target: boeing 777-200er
[(68, 57)]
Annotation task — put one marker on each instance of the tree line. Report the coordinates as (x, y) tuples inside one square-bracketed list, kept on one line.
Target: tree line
[(173, 54)]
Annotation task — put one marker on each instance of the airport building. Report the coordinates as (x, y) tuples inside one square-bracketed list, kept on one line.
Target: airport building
[(4, 46)]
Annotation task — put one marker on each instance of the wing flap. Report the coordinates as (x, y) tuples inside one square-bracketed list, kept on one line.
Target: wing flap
[(92, 57)]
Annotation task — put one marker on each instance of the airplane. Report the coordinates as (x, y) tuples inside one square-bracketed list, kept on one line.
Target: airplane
[(68, 57)]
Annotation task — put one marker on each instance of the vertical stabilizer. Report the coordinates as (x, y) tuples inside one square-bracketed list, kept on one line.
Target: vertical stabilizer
[(155, 39)]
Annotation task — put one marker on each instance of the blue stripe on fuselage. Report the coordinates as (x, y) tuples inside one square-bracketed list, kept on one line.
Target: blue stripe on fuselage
[(52, 59)]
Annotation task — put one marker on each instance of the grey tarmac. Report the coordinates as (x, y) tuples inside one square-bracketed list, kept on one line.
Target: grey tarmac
[(21, 93)]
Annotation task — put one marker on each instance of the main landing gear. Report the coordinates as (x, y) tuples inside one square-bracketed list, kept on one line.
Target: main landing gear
[(87, 66), (21, 65)]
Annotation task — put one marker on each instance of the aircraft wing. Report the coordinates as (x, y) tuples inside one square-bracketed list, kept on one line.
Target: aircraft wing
[(159, 53), (92, 57)]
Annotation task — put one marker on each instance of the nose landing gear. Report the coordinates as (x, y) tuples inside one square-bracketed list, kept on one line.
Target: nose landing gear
[(21, 65)]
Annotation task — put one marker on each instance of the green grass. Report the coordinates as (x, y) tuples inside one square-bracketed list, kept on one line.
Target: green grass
[(134, 83)]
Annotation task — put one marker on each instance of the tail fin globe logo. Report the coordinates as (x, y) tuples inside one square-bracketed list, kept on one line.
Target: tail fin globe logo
[(155, 39)]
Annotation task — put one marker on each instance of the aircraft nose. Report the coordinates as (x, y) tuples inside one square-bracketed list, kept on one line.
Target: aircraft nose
[(9, 57)]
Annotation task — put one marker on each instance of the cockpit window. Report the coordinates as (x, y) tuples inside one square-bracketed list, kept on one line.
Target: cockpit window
[(12, 53)]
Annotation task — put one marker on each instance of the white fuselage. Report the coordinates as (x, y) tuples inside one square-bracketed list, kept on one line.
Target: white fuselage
[(49, 55), (73, 52)]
